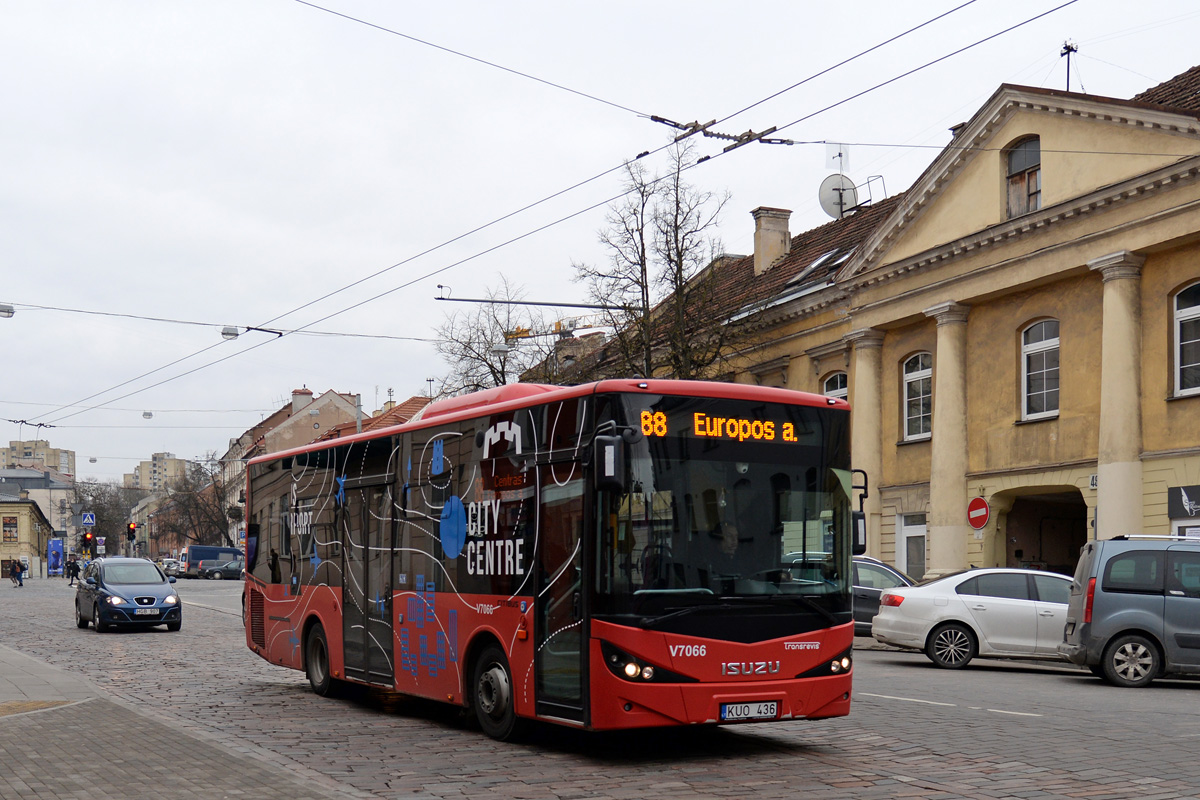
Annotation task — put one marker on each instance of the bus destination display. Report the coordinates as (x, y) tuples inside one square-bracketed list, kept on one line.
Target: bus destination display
[(739, 429)]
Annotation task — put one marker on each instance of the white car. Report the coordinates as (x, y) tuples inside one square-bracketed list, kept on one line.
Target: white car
[(995, 613)]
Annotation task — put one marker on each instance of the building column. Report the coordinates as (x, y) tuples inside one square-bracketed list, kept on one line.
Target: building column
[(866, 433), (948, 529), (1119, 507)]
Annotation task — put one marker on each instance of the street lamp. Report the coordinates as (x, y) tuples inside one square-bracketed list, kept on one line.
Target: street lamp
[(6, 311)]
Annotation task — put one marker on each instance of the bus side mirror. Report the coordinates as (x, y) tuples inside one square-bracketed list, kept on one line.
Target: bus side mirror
[(608, 463), (858, 532)]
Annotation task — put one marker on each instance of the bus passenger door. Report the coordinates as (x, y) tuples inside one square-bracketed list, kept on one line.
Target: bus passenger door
[(367, 585), (560, 629)]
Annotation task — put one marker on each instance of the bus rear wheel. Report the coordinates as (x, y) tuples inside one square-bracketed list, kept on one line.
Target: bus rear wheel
[(492, 696), (316, 661)]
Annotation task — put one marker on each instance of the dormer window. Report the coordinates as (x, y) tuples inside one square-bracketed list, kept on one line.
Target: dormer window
[(1024, 177)]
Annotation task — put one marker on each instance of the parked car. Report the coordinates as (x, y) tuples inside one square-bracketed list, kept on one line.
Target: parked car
[(126, 592), (1134, 611), (169, 566), (993, 613), (871, 578), (228, 569)]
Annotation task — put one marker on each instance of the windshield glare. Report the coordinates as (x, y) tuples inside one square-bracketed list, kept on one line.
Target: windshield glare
[(126, 574), (709, 521)]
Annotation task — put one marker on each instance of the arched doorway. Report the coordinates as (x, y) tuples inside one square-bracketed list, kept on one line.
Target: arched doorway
[(1046, 531)]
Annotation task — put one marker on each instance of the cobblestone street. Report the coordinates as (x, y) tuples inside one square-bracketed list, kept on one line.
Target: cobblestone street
[(196, 714)]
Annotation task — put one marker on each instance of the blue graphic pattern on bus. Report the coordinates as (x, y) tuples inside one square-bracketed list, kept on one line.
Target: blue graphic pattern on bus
[(454, 526), (439, 454), (421, 609)]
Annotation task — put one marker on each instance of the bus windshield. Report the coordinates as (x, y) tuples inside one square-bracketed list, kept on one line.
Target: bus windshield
[(728, 505)]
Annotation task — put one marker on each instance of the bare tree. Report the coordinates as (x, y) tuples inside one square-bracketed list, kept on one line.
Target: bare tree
[(656, 287), (490, 344), (196, 508), (684, 221), (624, 286), (111, 503)]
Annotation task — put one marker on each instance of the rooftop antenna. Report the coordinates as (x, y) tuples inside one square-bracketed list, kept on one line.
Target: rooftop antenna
[(1069, 47), (837, 194)]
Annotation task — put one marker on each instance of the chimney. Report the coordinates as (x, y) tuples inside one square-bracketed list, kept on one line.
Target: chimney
[(772, 241), (300, 399)]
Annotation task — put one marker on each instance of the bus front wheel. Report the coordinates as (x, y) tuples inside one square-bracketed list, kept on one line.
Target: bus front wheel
[(492, 696), (316, 661)]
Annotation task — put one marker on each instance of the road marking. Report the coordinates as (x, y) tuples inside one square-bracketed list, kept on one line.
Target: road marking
[(211, 608), (948, 705), (906, 699), (1014, 713)]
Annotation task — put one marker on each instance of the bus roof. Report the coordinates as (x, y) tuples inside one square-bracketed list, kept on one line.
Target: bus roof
[(521, 395)]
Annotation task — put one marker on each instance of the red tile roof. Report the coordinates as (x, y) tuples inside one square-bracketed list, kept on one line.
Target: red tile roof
[(1182, 91), (397, 415)]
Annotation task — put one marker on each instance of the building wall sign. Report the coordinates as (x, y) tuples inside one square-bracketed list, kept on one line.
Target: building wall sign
[(1183, 502)]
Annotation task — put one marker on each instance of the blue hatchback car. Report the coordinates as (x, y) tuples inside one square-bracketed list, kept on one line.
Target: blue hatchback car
[(126, 593)]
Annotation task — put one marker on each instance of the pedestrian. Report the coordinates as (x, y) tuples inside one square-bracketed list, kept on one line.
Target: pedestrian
[(16, 573), (12, 573), (72, 571)]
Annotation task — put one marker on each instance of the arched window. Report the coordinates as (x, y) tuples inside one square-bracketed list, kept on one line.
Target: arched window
[(1187, 341), (1024, 177), (918, 397), (1039, 370), (836, 385)]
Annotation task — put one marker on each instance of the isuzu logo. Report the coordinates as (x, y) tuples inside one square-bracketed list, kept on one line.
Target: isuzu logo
[(749, 667)]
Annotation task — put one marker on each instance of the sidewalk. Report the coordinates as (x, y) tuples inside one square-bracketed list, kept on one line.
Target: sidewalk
[(63, 738)]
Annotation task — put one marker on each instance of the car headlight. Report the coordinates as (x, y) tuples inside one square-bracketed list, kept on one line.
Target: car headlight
[(171, 600), (115, 601)]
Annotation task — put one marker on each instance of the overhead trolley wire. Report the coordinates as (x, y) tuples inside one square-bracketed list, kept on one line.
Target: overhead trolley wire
[(504, 217), (470, 57)]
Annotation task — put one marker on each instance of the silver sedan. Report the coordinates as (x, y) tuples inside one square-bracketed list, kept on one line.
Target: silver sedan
[(993, 613)]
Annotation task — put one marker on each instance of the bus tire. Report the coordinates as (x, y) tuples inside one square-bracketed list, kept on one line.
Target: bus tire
[(316, 661), (493, 697)]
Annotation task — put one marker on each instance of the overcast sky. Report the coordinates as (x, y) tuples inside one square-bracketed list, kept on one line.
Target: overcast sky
[(236, 163)]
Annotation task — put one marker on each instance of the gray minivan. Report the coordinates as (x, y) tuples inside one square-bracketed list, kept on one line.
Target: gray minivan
[(1134, 612)]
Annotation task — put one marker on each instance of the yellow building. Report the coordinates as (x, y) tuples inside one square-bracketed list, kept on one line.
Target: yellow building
[(1022, 325), (24, 534)]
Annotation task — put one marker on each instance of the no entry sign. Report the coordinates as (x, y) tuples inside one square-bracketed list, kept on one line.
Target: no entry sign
[(978, 513)]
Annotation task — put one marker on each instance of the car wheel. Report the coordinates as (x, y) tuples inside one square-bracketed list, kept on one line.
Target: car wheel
[(492, 696), (216, 576), (316, 661), (952, 646), (174, 626), (96, 623), (80, 622), (1130, 661)]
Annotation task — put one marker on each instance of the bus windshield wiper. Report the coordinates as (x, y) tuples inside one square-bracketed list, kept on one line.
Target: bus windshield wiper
[(648, 621)]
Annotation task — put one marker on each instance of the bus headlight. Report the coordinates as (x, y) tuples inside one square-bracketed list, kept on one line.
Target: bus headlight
[(631, 668)]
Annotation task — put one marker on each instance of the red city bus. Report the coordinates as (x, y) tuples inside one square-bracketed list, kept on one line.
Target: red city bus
[(622, 554)]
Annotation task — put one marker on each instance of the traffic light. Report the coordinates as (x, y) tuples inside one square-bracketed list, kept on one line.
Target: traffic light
[(89, 543), (131, 532)]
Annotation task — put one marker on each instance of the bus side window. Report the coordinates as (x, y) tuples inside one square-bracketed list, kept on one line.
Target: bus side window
[(285, 527)]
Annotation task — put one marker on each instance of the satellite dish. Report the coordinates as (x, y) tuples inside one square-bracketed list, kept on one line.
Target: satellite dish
[(837, 195)]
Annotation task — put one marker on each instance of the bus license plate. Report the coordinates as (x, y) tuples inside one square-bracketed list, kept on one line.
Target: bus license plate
[(147, 612), (735, 712)]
